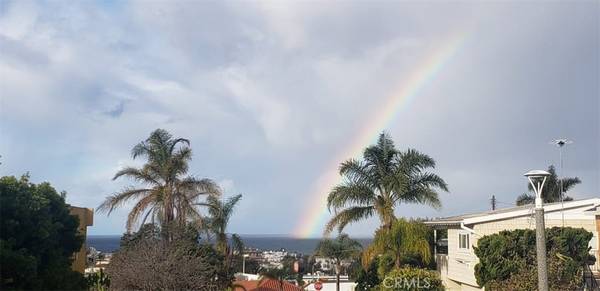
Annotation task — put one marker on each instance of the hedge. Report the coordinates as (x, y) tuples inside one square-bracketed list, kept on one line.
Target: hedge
[(410, 279), (507, 259)]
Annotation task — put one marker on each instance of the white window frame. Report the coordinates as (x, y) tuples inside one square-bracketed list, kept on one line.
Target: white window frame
[(467, 242)]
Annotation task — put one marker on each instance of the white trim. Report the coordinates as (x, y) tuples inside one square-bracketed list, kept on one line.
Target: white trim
[(468, 248), (463, 227), (527, 211)]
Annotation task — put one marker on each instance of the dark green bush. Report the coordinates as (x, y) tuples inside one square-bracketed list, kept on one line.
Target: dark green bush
[(38, 237), (411, 279), (367, 279), (507, 259)]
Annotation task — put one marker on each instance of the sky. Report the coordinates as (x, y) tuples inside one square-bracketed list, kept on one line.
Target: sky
[(272, 95)]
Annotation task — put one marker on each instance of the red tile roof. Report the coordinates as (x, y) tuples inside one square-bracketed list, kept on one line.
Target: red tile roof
[(265, 285)]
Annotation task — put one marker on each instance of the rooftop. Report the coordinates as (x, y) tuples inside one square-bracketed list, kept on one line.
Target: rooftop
[(266, 284), (589, 205)]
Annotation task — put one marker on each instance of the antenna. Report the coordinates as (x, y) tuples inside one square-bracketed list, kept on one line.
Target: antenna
[(560, 143)]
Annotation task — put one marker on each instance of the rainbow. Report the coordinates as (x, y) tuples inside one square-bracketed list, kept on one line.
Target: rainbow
[(314, 218)]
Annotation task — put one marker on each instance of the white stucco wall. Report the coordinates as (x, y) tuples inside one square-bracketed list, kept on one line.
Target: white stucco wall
[(461, 263)]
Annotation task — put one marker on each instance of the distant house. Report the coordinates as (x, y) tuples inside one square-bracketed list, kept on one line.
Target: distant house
[(456, 267), (86, 218)]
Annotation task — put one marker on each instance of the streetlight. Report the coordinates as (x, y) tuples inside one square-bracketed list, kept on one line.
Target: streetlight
[(244, 263), (537, 179)]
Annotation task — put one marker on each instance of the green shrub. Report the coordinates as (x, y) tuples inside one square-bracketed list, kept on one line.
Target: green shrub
[(384, 265), (367, 279), (409, 279), (38, 237), (507, 259), (98, 281)]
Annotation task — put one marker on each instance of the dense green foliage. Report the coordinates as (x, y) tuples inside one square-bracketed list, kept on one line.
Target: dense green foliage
[(406, 240), (384, 178), (37, 237), (367, 278), (505, 258), (98, 281), (551, 191), (409, 279)]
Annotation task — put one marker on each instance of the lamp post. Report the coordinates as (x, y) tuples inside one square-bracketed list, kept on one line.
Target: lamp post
[(244, 263), (537, 179)]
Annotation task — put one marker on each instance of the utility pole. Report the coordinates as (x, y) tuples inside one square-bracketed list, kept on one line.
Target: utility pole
[(493, 202)]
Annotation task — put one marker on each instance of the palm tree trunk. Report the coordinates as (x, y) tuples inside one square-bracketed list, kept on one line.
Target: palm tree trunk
[(337, 275), (398, 261)]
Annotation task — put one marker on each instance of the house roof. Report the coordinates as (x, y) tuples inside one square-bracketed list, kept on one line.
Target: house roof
[(266, 284), (589, 205)]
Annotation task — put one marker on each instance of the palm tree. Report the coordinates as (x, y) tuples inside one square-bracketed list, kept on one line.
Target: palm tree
[(220, 211), (339, 249), (404, 239), (166, 194), (551, 191), (377, 184)]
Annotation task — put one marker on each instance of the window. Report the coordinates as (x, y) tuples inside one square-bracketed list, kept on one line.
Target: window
[(463, 241)]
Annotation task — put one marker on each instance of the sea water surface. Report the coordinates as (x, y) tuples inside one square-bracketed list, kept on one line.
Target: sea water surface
[(110, 243)]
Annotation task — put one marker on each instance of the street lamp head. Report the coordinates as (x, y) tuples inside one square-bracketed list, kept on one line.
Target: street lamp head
[(533, 174), (537, 179)]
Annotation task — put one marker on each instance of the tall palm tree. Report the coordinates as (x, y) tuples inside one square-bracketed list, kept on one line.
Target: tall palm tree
[(383, 179), (551, 191), (166, 193), (404, 239), (220, 211), (339, 249)]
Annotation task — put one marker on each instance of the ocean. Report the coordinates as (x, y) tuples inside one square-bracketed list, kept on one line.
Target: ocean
[(110, 243)]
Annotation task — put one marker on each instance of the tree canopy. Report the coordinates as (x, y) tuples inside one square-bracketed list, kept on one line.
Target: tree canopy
[(405, 239), (38, 237), (166, 195), (551, 192), (505, 259), (384, 178), (338, 249)]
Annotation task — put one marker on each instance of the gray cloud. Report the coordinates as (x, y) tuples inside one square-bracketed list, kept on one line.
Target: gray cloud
[(269, 93)]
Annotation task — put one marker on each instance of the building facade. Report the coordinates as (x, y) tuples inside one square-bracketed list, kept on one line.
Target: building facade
[(456, 267), (86, 218)]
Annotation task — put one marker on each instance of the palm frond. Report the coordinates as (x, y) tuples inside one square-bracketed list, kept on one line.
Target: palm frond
[(347, 216), (569, 183), (525, 199), (140, 175), (139, 209), (237, 243), (349, 194), (117, 199)]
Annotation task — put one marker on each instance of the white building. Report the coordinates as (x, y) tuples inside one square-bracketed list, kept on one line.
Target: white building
[(457, 266)]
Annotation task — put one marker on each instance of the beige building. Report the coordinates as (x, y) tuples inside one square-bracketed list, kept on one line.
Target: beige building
[(86, 218), (457, 266)]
